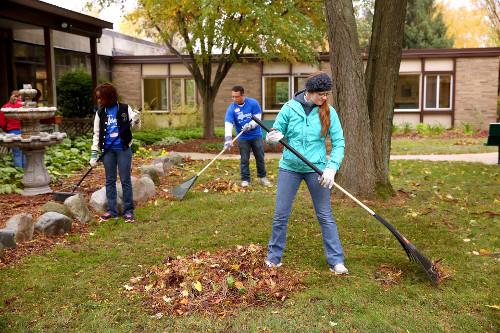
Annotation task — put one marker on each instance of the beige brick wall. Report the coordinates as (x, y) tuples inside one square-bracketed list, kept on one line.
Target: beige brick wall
[(476, 91), (127, 80), (247, 75)]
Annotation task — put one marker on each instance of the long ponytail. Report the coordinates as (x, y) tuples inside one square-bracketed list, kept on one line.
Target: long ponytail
[(324, 117)]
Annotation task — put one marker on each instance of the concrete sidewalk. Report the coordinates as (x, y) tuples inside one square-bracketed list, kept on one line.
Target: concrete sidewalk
[(486, 158)]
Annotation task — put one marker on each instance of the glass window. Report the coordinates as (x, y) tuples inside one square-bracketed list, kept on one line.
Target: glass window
[(407, 92), (438, 91), (299, 83), (155, 94), (276, 92), (176, 92), (190, 92), (444, 91)]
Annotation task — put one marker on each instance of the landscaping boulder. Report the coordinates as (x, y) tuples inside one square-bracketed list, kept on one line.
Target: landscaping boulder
[(143, 189), (7, 239), (52, 206), (78, 207), (153, 173), (53, 224), (99, 202), (22, 226), (164, 162), (175, 158)]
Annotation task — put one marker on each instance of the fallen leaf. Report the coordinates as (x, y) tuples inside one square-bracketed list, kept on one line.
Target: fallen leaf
[(128, 288), (197, 286)]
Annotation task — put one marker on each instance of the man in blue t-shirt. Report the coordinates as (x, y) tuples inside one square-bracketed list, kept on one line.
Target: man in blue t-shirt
[(240, 113)]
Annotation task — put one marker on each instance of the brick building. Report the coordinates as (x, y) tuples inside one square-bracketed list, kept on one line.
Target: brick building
[(445, 86)]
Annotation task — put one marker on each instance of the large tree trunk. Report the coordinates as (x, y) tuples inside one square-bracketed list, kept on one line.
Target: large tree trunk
[(208, 113), (349, 95), (382, 73)]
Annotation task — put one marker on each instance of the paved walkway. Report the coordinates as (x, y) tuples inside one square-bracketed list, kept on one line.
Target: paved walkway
[(486, 158)]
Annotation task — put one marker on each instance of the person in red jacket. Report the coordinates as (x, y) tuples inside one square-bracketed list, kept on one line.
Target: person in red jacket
[(11, 125)]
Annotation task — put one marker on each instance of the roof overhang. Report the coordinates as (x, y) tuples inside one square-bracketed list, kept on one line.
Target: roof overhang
[(42, 14), (407, 54)]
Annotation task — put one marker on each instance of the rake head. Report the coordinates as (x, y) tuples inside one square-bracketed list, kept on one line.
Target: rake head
[(179, 192)]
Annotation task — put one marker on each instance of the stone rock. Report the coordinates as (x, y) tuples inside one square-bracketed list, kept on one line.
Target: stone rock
[(159, 169), (53, 224), (143, 189), (78, 207), (22, 225), (52, 206), (165, 162), (175, 158), (152, 172), (7, 239), (99, 202)]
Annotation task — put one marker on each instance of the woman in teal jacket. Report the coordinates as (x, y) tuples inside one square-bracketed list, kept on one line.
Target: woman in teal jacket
[(305, 122)]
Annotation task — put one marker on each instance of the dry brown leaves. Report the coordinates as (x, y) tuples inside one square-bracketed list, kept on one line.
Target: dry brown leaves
[(387, 275), (214, 283), (221, 185), (443, 272)]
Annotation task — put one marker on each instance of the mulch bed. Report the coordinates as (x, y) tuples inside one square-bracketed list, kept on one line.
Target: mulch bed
[(213, 283), (12, 204)]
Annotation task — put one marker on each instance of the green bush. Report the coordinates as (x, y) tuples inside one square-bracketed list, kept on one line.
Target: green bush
[(423, 129), (437, 129), (467, 128), (406, 128), (395, 128), (74, 94), (150, 137), (169, 140)]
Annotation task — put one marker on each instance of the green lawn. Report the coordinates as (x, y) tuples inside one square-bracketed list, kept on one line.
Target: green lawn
[(405, 146), (78, 286)]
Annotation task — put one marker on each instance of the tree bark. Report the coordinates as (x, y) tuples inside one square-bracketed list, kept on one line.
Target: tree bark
[(349, 94), (382, 73), (208, 113)]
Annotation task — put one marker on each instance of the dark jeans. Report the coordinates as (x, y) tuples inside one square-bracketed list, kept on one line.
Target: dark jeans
[(123, 160), (257, 146)]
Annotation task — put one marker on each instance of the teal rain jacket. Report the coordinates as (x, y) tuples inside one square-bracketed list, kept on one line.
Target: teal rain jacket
[(304, 134)]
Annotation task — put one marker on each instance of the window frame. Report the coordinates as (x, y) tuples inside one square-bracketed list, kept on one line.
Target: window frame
[(419, 93), (167, 93), (438, 75), (264, 77), (183, 79)]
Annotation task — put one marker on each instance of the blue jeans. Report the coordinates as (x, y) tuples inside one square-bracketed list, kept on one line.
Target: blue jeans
[(288, 184), (17, 153), (123, 160), (257, 146)]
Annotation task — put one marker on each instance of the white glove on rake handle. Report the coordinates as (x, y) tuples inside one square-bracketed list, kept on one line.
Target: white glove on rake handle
[(327, 179)]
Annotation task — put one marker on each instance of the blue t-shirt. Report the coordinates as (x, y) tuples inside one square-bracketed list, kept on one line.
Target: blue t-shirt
[(112, 130), (239, 115)]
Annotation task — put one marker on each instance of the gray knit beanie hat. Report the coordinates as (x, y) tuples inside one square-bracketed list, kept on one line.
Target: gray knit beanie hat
[(319, 82)]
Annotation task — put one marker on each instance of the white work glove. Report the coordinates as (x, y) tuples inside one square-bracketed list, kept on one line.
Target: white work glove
[(93, 158), (274, 136), (249, 126), (327, 179), (228, 142)]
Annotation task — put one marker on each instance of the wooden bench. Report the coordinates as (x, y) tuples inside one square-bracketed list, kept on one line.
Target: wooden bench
[(494, 137)]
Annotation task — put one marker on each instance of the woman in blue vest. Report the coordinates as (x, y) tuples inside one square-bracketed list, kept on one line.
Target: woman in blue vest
[(113, 137), (306, 121)]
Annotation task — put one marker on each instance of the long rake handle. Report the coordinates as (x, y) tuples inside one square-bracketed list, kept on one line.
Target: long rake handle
[(219, 154), (402, 240)]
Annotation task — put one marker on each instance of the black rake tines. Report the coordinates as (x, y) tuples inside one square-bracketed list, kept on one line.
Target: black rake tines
[(411, 251)]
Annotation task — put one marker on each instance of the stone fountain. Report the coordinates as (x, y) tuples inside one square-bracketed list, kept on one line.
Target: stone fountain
[(32, 142)]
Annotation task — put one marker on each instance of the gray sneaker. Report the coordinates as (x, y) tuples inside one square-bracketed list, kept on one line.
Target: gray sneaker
[(264, 181), (339, 269), (245, 183)]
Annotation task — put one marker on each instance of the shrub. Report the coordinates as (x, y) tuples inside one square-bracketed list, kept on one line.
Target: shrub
[(74, 94), (169, 140), (437, 129), (406, 128), (423, 129), (467, 128), (395, 128)]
